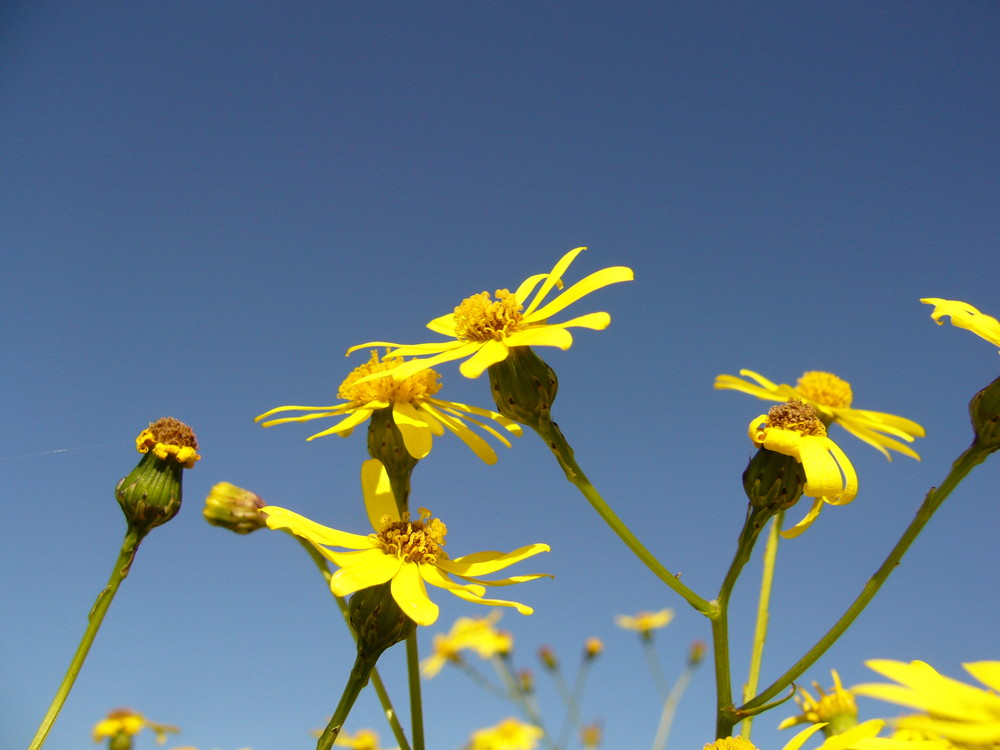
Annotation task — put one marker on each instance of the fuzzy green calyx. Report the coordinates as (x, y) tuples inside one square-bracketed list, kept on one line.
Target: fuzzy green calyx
[(377, 620), (524, 387)]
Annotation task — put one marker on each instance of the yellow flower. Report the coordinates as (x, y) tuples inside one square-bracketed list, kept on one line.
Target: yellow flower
[(365, 739), (129, 722), (831, 397), (409, 553), (509, 734), (418, 415), (742, 743), (169, 438), (792, 429), (964, 315), (467, 633), (645, 623), (836, 707), (485, 329), (965, 715)]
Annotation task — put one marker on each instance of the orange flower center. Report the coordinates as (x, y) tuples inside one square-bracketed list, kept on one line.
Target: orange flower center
[(418, 386), (413, 541), (826, 389), (481, 318)]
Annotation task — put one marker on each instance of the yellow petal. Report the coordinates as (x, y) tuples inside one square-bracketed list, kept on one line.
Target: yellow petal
[(363, 569), (445, 325), (327, 411), (483, 563), (489, 353), (377, 491), (987, 672), (806, 522), (580, 289), (823, 475), (964, 315), (281, 518), (479, 446), (346, 425), (542, 335), (416, 434), (528, 286), (553, 278), (411, 595), (799, 740)]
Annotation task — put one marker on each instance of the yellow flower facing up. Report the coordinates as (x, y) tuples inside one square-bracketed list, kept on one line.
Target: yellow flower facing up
[(128, 722), (835, 707), (415, 410), (365, 739), (406, 552), (509, 734), (484, 329), (793, 429), (476, 634), (965, 715), (831, 397), (645, 623), (964, 315)]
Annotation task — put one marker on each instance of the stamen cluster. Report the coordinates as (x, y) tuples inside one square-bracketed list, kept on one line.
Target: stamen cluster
[(480, 318), (413, 541), (826, 389), (796, 416), (418, 386)]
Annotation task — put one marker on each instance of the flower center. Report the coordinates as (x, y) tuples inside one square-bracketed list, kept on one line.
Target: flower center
[(796, 416), (418, 386), (170, 431), (826, 389), (480, 318), (731, 743), (413, 541)]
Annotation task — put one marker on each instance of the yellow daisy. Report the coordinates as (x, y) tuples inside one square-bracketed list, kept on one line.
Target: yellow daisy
[(509, 734), (128, 722), (645, 623), (836, 707), (467, 633), (409, 553), (793, 429), (418, 415), (964, 315), (965, 715), (484, 329), (831, 397)]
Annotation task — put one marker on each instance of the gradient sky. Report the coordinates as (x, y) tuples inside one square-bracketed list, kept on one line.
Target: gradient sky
[(202, 205)]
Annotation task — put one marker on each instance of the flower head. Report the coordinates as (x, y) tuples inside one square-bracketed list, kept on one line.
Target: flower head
[(169, 438), (412, 404), (835, 707), (476, 634), (964, 315), (404, 551), (485, 328), (128, 723), (965, 715), (365, 739), (645, 623), (793, 429), (831, 397), (509, 734)]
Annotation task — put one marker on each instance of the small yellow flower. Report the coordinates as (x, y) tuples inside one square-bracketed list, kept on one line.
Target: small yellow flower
[(169, 438), (831, 397), (415, 411), (965, 715), (365, 739), (836, 707), (409, 553), (964, 315), (592, 648), (645, 623), (509, 734), (128, 722), (485, 329), (476, 634), (790, 430)]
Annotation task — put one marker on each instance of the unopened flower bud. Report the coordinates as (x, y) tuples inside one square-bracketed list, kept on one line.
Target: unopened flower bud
[(773, 481), (524, 387), (592, 648), (377, 620), (526, 681), (548, 658), (984, 410), (234, 508), (696, 652), (591, 736), (151, 494)]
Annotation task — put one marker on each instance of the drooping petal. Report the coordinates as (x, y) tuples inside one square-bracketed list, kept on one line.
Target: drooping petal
[(416, 434), (483, 563), (281, 518), (522, 608), (359, 570), (805, 523), (489, 353), (346, 425), (411, 595), (478, 446), (435, 576), (582, 288), (823, 477), (377, 491)]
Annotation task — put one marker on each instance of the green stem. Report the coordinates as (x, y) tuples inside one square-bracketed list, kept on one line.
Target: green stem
[(376, 679), (362, 669), (670, 707), (653, 660), (755, 519), (528, 705), (763, 617), (122, 565), (553, 437), (970, 458), (416, 702)]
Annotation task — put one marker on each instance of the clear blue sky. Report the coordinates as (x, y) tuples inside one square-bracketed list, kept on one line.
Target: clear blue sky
[(202, 205)]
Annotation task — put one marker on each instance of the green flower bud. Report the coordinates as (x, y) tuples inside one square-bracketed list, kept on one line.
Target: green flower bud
[(773, 481), (377, 620), (151, 494), (234, 508), (984, 410), (524, 387), (385, 442)]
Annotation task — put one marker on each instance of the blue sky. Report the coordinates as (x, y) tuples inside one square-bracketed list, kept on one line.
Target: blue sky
[(204, 205)]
